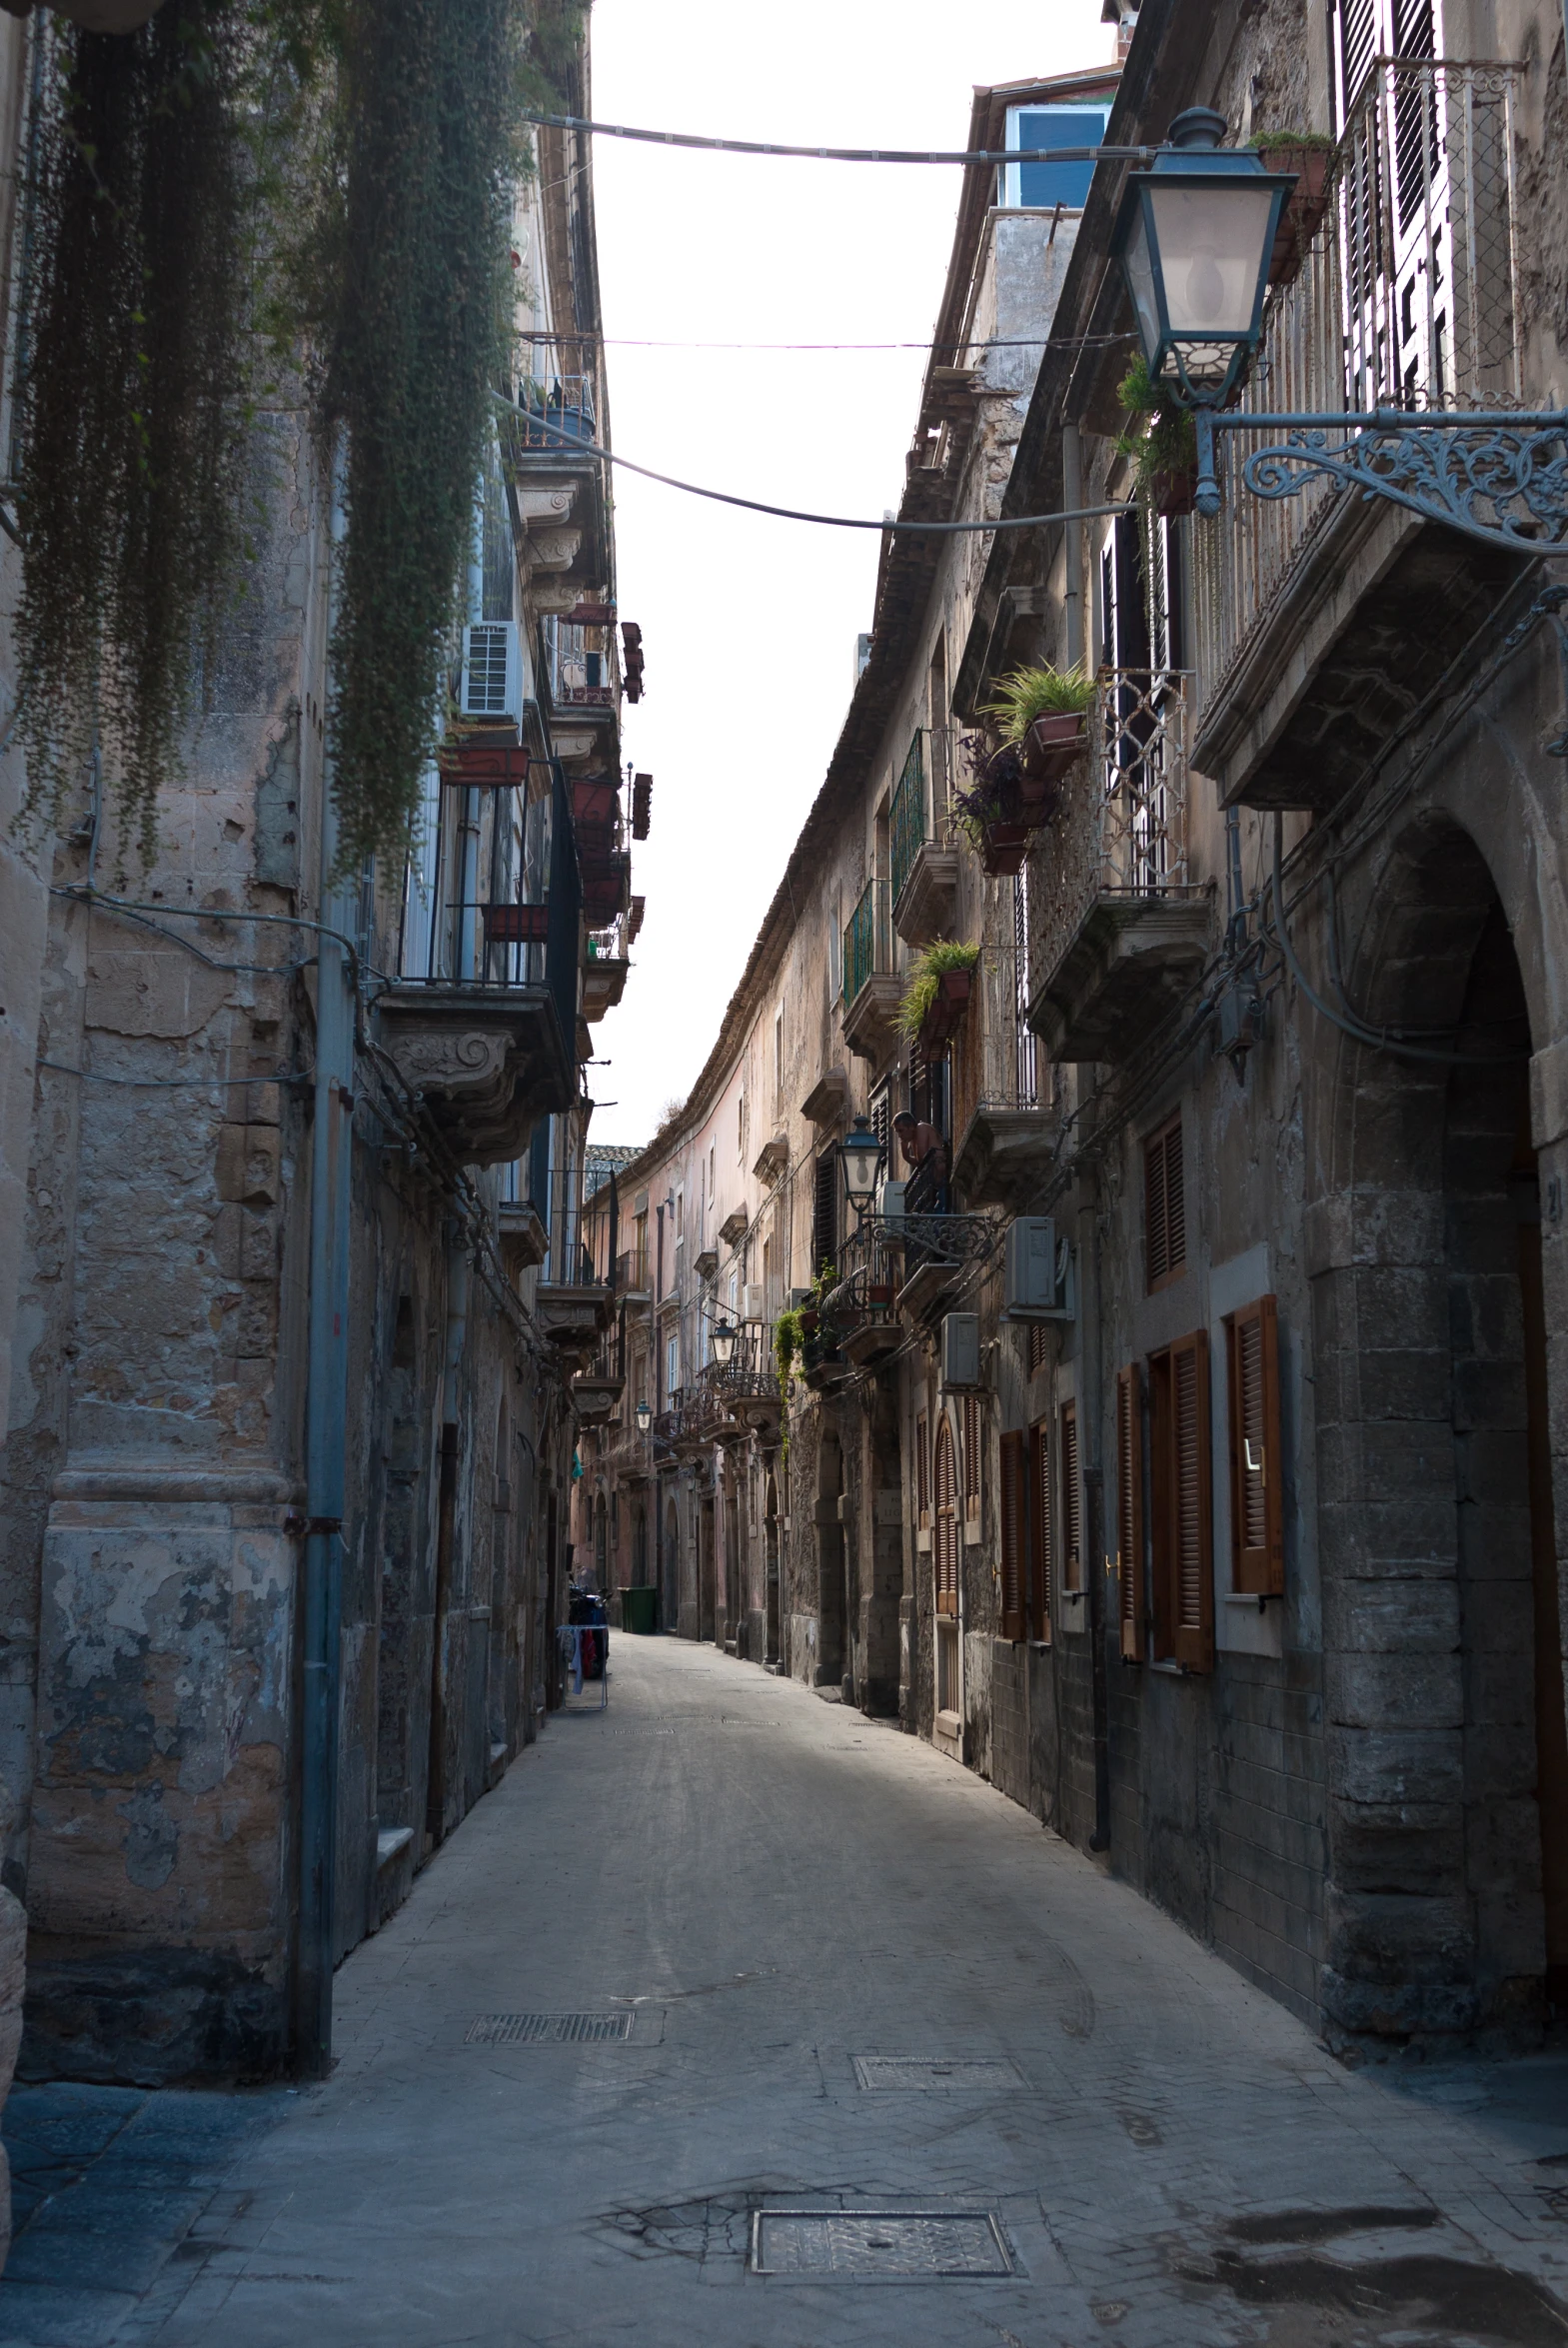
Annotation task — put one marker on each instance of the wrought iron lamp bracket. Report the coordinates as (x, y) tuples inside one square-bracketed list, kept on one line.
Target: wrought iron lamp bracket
[(1500, 476)]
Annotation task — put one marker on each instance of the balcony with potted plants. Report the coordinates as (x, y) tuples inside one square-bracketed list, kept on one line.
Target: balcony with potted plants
[(555, 481), (1037, 733), (1118, 929), (1007, 1137), (604, 969), (871, 987), (1324, 618), (924, 861)]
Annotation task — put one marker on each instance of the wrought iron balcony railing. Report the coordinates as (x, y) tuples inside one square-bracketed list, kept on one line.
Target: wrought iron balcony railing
[(556, 394), (1406, 297), (867, 942), (580, 663)]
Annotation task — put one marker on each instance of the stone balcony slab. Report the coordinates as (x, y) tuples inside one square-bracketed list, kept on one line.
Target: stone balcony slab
[(871, 1022), (487, 1062), (1127, 965), (928, 899)]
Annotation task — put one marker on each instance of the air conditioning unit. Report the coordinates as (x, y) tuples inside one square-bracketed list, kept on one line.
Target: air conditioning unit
[(751, 1300), (1038, 1279), (492, 692), (961, 1350), (889, 1202)]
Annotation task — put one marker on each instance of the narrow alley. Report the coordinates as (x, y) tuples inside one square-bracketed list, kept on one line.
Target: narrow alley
[(820, 1970)]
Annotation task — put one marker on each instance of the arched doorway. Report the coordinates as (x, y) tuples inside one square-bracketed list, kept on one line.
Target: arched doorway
[(770, 1568), (640, 1546), (1448, 1769), (944, 1567)]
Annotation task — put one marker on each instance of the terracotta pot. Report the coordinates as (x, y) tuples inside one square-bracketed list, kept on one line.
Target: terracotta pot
[(1051, 745), (808, 1321), (1037, 804), (1306, 206), (1003, 847), (1175, 491), (950, 1003)]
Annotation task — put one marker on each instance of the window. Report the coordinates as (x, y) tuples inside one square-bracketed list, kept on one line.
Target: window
[(1164, 1208), (1257, 1541), (1376, 28), (973, 1440), (639, 1250), (1071, 1502), (739, 1128), (1014, 1534), (1036, 1346), (779, 1061), (711, 1185), (1042, 186), (922, 1474), (1041, 1522), (1129, 1510), (945, 1544), (672, 1368), (825, 1211), (1181, 1504)]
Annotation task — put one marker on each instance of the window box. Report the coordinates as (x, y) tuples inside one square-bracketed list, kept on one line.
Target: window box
[(1003, 847), (1306, 209), (950, 1006), (1050, 746)]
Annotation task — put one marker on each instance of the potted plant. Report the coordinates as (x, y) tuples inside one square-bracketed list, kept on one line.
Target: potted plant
[(1163, 440), (1309, 155), (1043, 714), (937, 995), (991, 814)]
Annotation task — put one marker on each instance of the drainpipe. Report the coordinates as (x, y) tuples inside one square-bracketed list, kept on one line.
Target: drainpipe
[(1095, 1557), (1073, 500), (332, 1166)]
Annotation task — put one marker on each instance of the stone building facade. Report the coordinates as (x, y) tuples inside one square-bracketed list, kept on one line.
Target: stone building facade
[(1201, 1484), (306, 1281)]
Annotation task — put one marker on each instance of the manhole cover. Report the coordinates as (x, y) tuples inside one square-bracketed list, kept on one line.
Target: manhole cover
[(901, 2072), (922, 2242), (545, 2029)]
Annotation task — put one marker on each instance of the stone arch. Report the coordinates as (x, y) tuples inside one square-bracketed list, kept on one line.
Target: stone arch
[(1437, 1543), (946, 1569)]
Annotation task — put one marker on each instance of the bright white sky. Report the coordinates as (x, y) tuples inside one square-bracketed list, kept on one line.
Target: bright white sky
[(748, 624)]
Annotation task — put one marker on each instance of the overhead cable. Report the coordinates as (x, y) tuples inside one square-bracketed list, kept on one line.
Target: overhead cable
[(890, 523), (659, 138)]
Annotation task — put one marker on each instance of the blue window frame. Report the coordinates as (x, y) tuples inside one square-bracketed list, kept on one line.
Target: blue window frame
[(1042, 186)]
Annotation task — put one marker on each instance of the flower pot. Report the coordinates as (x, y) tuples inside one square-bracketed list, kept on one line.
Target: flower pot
[(808, 1321), (1003, 847), (1173, 490), (1306, 206), (1037, 804), (1050, 746), (949, 1007)]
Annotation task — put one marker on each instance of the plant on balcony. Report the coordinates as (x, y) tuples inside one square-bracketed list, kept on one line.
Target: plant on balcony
[(990, 814), (938, 991), (1162, 441), (1042, 714), (1309, 153)]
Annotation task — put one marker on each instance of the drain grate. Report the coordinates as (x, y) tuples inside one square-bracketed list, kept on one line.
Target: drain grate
[(901, 2073), (545, 2029), (924, 2243)]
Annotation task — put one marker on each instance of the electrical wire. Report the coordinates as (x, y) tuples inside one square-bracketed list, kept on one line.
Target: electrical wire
[(1066, 342), (890, 525), (657, 138), (91, 1076)]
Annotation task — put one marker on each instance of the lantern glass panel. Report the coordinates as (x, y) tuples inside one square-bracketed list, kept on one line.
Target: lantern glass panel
[(1213, 244), (1140, 280)]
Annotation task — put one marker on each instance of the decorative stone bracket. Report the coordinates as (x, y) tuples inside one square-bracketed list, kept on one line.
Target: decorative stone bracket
[(487, 1062)]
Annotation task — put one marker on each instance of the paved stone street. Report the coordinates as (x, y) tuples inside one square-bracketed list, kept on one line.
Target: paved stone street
[(775, 1912)]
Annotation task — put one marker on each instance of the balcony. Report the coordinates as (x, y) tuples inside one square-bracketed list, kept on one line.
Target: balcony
[(556, 488), (575, 1301), (603, 861), (481, 1020), (907, 1264), (871, 990), (1325, 619), (1118, 931), (604, 970), (524, 1239), (1007, 1138), (925, 876)]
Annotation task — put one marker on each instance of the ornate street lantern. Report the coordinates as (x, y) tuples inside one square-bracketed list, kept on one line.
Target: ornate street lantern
[(645, 1417), (723, 1341), (861, 1155), (1193, 237)]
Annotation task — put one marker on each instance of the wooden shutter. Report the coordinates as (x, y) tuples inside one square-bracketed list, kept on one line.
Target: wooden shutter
[(1071, 1502), (945, 1546), (1356, 44), (1257, 1530), (1192, 1502), (1164, 1208), (824, 1212), (1015, 1509), (1040, 1524), (973, 1437), (923, 1472), (1129, 1510), (1037, 1331)]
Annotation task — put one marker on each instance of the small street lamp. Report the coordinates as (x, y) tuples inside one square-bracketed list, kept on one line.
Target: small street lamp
[(861, 1155), (1195, 237), (723, 1341), (645, 1417)]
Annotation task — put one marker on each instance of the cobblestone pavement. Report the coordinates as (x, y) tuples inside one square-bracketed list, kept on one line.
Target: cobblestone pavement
[(824, 1972)]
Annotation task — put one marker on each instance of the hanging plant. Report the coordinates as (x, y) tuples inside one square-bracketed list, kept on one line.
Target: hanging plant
[(925, 977), (1162, 441)]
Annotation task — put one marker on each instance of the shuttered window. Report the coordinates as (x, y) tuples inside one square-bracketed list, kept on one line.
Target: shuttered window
[(1164, 1208), (974, 1437), (1041, 1522), (1257, 1538), (1129, 1510), (1181, 1504), (1015, 1534), (923, 1472), (944, 1542), (824, 1212), (1071, 1502), (1037, 1331)]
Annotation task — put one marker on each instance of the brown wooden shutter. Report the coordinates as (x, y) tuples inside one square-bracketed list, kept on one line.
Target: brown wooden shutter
[(1036, 1346), (1071, 1505), (1192, 1543), (1164, 1206), (1129, 1510), (1040, 1524), (1014, 1506), (824, 1212), (1257, 1532), (945, 1543)]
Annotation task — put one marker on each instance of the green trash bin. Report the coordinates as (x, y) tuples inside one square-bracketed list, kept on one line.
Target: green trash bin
[(639, 1610)]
